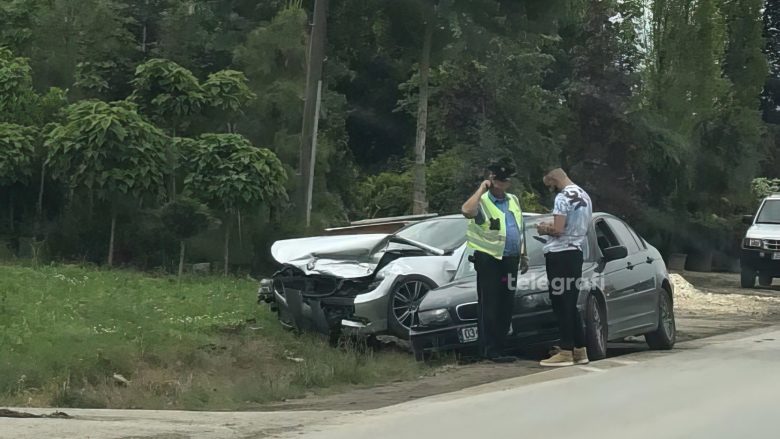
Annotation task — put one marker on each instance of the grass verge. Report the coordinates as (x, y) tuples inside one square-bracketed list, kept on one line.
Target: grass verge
[(202, 343)]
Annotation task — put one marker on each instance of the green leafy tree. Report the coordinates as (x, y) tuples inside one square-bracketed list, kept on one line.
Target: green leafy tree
[(227, 92), (68, 32), (17, 156), (185, 218), (170, 95), (231, 175), (108, 149), (17, 97)]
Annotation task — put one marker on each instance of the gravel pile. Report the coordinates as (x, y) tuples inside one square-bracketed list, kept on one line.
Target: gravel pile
[(690, 300)]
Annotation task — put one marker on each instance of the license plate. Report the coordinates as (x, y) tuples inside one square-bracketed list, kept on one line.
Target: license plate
[(468, 334), (776, 256)]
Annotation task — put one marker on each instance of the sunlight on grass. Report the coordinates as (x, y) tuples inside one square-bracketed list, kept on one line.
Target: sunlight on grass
[(198, 344)]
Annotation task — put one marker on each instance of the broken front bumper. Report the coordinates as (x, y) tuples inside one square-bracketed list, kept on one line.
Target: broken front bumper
[(303, 303)]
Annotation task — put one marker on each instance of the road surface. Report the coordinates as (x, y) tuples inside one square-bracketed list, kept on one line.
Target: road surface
[(720, 387), (724, 390)]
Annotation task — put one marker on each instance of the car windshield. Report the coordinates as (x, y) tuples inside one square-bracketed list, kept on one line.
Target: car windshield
[(534, 247), (770, 213), (445, 234)]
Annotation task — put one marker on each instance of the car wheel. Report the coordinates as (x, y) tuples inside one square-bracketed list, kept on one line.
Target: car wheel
[(748, 278), (404, 299), (664, 337), (595, 329), (764, 280)]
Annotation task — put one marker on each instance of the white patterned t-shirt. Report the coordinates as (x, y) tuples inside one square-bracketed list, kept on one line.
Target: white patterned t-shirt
[(575, 204)]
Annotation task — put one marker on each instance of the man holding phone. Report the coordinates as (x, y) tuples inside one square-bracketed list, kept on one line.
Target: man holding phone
[(568, 236), (496, 233)]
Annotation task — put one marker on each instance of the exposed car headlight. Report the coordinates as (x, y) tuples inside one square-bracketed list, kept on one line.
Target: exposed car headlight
[(378, 279), (750, 242), (266, 292), (431, 317)]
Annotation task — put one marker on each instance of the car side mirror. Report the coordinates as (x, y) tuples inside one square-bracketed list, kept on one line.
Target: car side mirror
[(747, 219), (615, 253)]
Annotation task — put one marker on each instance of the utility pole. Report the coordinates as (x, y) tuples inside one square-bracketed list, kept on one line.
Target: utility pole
[(316, 56)]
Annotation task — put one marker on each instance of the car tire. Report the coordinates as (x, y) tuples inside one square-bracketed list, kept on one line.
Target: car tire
[(665, 336), (748, 278), (413, 289), (764, 280), (596, 334)]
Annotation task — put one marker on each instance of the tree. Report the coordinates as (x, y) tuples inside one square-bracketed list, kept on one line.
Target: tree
[(17, 97), (171, 95), (231, 175), (68, 32), (228, 93), (108, 149), (770, 99), (17, 155), (185, 218)]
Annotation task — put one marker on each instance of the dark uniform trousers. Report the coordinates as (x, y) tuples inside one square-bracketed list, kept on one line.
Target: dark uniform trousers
[(495, 300)]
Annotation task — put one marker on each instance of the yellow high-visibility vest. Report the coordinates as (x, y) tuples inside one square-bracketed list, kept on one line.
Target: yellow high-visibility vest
[(480, 237)]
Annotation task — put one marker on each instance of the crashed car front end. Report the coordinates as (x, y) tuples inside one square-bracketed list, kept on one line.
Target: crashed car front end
[(315, 302), (326, 284)]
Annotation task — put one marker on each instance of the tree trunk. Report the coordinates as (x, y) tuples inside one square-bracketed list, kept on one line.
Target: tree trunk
[(111, 240), (174, 165), (182, 249), (420, 200), (39, 207), (11, 212), (227, 246)]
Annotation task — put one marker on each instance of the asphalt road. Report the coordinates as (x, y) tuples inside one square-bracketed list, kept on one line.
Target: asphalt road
[(724, 390), (718, 387)]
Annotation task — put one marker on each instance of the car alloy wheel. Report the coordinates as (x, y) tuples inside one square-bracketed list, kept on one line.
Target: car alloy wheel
[(406, 298), (667, 317), (595, 329)]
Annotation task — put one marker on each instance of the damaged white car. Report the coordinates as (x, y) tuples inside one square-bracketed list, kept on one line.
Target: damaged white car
[(366, 284)]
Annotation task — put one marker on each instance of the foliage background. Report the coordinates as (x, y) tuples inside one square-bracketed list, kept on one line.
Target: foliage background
[(664, 110)]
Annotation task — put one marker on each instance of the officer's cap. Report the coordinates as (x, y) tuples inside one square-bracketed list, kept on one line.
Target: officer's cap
[(502, 169)]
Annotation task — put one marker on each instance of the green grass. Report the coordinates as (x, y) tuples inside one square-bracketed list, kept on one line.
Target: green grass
[(202, 343)]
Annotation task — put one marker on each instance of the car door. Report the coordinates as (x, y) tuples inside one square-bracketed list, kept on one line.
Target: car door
[(638, 302), (614, 279)]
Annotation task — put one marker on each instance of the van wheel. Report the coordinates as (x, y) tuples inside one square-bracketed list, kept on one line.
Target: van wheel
[(748, 277)]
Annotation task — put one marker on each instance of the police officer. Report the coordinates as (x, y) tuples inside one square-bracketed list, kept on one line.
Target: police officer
[(496, 233)]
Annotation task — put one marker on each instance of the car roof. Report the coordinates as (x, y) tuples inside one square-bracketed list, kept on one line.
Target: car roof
[(773, 197)]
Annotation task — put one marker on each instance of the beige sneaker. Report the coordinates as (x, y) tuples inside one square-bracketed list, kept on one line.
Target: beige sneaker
[(554, 350), (581, 356), (561, 359)]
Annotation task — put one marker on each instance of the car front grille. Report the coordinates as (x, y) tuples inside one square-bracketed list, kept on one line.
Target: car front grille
[(467, 311), (308, 286), (772, 244)]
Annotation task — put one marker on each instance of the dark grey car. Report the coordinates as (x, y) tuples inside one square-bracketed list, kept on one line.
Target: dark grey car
[(626, 292)]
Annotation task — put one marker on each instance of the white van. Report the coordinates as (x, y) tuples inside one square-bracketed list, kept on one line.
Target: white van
[(761, 246)]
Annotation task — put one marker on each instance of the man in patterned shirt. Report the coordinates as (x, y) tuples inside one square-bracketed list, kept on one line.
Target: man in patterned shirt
[(567, 236)]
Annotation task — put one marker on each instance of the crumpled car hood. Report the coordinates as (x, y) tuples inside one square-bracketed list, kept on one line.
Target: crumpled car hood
[(345, 256)]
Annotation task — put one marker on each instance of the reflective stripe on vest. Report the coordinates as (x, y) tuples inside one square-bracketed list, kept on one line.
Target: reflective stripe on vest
[(492, 242)]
